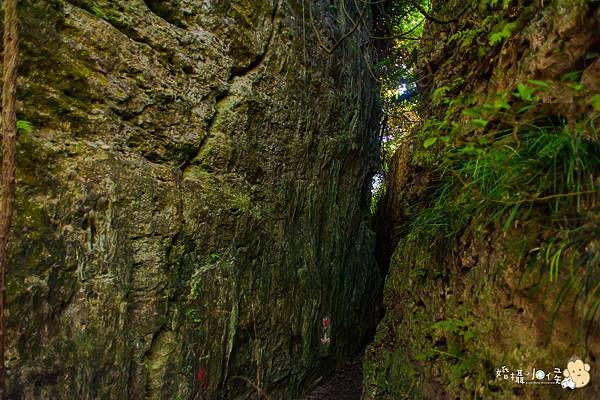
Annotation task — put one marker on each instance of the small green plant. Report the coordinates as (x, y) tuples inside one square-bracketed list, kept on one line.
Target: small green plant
[(465, 38), (457, 334), (193, 316), (524, 93), (439, 95), (572, 76), (504, 33), (196, 285), (98, 12), (429, 142), (214, 257), (503, 162), (25, 126), (541, 164), (505, 3)]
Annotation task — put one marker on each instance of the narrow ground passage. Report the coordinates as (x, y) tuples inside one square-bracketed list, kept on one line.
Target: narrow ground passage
[(345, 384)]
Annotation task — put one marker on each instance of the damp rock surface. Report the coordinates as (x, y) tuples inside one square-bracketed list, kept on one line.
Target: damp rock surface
[(192, 200), (461, 306)]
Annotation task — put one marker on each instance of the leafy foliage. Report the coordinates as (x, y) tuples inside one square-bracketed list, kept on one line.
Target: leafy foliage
[(501, 34), (25, 126), (402, 26), (501, 162), (508, 163)]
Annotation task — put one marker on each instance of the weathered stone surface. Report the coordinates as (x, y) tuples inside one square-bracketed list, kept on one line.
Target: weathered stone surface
[(456, 313), (192, 199)]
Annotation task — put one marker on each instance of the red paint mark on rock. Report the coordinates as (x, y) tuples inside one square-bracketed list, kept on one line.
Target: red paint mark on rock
[(201, 375)]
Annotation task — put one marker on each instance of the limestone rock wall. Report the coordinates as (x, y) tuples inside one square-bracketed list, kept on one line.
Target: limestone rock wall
[(461, 307), (191, 200)]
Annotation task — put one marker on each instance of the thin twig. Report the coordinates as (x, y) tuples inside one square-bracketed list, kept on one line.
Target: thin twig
[(430, 17), (343, 2), (346, 35), (370, 69), (259, 391), (401, 35)]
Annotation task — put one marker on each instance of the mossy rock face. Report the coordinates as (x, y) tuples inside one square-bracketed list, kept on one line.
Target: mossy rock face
[(191, 201), (458, 308)]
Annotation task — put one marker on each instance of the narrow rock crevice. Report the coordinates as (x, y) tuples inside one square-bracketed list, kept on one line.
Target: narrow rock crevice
[(254, 64), (189, 162)]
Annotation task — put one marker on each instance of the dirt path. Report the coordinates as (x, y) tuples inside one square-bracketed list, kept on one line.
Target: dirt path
[(345, 384)]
